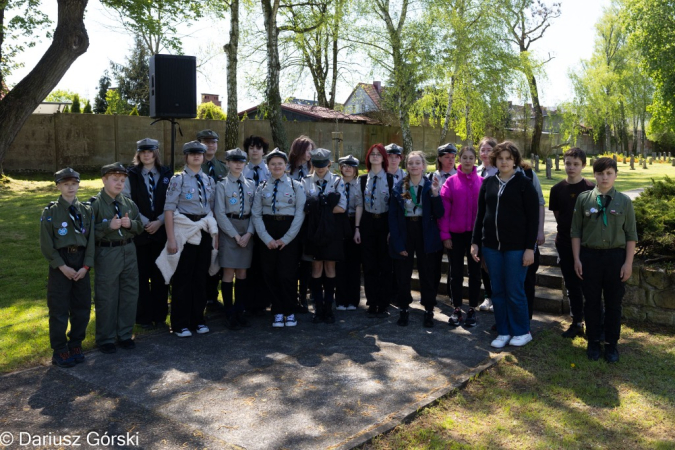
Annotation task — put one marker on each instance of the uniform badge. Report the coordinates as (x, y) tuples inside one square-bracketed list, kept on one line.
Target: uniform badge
[(233, 201), (587, 213), (593, 210), (290, 201), (165, 180), (49, 218), (188, 196), (63, 231), (268, 194), (612, 211), (104, 220), (192, 191), (64, 224)]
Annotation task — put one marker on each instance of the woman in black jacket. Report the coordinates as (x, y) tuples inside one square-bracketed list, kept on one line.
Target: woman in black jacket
[(506, 228), (146, 185)]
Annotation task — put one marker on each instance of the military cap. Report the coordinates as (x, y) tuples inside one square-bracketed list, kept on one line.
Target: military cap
[(393, 149), (147, 144), (235, 155), (276, 152), (66, 173), (194, 147), (349, 160), (447, 149), (117, 167), (207, 134), (320, 157)]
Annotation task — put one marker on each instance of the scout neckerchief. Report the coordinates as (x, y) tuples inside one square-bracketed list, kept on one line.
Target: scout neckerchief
[(415, 196), (274, 196), (347, 195), (256, 175), (117, 212), (241, 198), (212, 172), (77, 219), (322, 186), (603, 208), (372, 193), (151, 190), (200, 185)]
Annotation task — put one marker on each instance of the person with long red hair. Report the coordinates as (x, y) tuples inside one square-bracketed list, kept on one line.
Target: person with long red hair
[(376, 188)]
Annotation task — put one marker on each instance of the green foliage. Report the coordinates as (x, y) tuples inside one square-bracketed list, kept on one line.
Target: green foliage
[(132, 79), (100, 103), (655, 218), (210, 111), (115, 103), (75, 107), (87, 108), (60, 95), (134, 112)]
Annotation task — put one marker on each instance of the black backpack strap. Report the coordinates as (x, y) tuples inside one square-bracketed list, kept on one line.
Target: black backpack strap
[(529, 174), (390, 182), (363, 180)]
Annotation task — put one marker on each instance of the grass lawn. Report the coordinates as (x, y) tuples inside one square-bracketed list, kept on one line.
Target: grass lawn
[(548, 395)]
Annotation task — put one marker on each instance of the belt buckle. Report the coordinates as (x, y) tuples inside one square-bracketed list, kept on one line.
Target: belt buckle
[(71, 249), (376, 216), (279, 218)]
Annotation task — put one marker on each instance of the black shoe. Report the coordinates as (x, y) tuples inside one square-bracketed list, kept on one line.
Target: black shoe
[(107, 348), (372, 312), (231, 323), (128, 344), (576, 329), (63, 359), (470, 320), (77, 355), (403, 318), (611, 353), (593, 351), (428, 319), (382, 312), (456, 318)]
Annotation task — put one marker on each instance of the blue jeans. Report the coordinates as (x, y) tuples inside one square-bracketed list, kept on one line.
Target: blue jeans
[(507, 276)]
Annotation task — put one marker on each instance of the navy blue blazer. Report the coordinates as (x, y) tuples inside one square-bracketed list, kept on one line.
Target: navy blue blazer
[(432, 210)]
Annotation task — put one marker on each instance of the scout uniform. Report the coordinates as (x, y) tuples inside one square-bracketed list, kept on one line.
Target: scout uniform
[(300, 172), (147, 188), (234, 199), (257, 172), (377, 264), (116, 280), (318, 191), (413, 217), (193, 195), (278, 213), (217, 170), (604, 224), (66, 239), (348, 271), (393, 149)]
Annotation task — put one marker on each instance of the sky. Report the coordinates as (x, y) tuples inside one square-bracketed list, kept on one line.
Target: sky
[(568, 40)]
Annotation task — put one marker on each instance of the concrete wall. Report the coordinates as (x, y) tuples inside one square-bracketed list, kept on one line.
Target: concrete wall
[(86, 141)]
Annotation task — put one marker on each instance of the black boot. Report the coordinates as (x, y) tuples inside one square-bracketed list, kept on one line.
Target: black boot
[(316, 288), (403, 318), (329, 294), (229, 320), (240, 295)]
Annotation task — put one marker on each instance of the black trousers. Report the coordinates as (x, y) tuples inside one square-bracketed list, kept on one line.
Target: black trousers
[(439, 271), (188, 298), (601, 272), (279, 267), (426, 268), (377, 265), (153, 294), (68, 302), (461, 248), (259, 294), (348, 274), (213, 285), (531, 281), (572, 282)]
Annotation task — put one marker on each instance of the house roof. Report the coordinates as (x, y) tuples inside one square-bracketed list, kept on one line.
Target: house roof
[(372, 92), (319, 113)]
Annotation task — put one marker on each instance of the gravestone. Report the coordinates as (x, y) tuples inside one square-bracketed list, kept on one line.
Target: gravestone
[(614, 157), (549, 166), (536, 163), (644, 163), (651, 160), (632, 162), (557, 163)]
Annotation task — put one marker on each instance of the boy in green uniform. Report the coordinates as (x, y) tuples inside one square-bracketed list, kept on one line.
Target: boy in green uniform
[(67, 243), (116, 283), (603, 244)]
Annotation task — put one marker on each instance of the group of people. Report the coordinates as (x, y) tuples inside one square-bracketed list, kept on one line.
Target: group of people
[(290, 225)]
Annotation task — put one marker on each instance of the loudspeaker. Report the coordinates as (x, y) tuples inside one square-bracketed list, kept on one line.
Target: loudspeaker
[(173, 86)]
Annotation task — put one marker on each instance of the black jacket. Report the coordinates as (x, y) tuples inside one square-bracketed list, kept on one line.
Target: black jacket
[(509, 222), (139, 194)]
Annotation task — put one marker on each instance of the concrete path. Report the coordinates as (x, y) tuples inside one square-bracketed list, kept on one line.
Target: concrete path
[(309, 387)]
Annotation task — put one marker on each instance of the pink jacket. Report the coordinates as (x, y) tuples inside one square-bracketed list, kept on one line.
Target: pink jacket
[(460, 200)]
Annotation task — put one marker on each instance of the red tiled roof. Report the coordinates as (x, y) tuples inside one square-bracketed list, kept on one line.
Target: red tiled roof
[(372, 92), (319, 113)]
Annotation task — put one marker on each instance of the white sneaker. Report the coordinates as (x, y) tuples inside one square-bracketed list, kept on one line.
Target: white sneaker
[(202, 329), (341, 308), (501, 341), (183, 333), (351, 308), (278, 321), (486, 305), (519, 341), (290, 321)]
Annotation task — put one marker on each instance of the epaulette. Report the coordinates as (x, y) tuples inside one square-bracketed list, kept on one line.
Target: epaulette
[(92, 200), (50, 205)]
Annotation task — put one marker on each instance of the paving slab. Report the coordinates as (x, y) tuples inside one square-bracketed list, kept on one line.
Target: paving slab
[(308, 387)]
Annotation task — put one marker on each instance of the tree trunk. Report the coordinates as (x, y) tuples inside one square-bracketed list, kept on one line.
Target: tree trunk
[(448, 111), (272, 95), (624, 128), (538, 116), (69, 42), (643, 150), (334, 68), (2, 39), (469, 133), (232, 48)]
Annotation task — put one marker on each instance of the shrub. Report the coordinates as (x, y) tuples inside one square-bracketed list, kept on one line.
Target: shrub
[(75, 108), (87, 108), (210, 111), (655, 219)]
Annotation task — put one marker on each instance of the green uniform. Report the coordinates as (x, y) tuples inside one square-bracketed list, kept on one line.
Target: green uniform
[(116, 281), (66, 238), (604, 221), (219, 171)]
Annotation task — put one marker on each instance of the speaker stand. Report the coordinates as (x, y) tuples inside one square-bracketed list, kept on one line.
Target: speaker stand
[(174, 124)]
